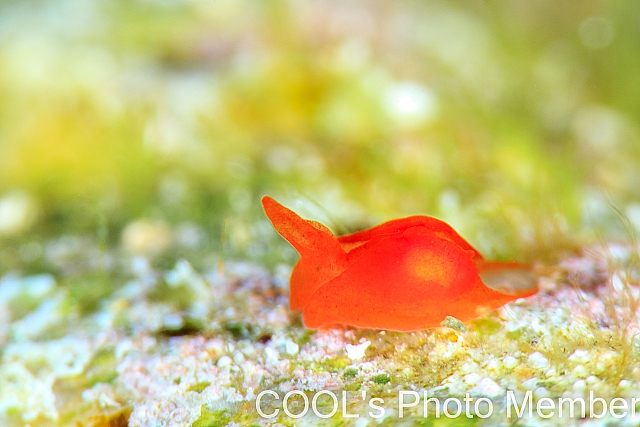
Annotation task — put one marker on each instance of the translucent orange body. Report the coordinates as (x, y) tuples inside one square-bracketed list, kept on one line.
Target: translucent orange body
[(407, 274)]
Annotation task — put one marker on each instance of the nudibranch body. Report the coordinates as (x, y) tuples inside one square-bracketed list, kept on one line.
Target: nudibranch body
[(405, 275)]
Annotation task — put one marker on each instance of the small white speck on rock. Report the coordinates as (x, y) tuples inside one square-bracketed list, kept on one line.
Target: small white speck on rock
[(580, 371), (487, 387), (468, 368), (272, 354), (540, 392), (291, 348), (579, 356), (592, 379), (580, 385), (624, 384), (472, 379), (493, 365), (530, 384), (355, 352), (224, 361), (537, 360), (510, 362)]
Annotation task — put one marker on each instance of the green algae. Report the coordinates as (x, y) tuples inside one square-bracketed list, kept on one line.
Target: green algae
[(486, 327), (381, 379), (181, 297), (208, 418), (199, 387), (75, 412), (305, 337), (189, 326), (102, 368), (350, 372), (87, 291), (453, 323), (523, 334), (335, 364), (23, 304), (240, 330), (353, 386), (113, 418)]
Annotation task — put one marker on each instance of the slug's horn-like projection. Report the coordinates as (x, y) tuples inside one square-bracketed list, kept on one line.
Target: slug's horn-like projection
[(321, 256)]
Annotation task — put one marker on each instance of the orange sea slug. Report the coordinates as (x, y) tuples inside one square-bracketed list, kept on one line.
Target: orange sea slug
[(407, 274)]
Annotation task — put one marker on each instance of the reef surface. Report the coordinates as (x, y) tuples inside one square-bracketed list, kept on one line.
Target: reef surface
[(180, 347)]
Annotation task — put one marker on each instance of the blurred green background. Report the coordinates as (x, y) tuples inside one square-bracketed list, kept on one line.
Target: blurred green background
[(156, 126)]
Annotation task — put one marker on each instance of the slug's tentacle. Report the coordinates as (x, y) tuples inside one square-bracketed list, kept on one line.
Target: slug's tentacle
[(321, 256), (301, 233)]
